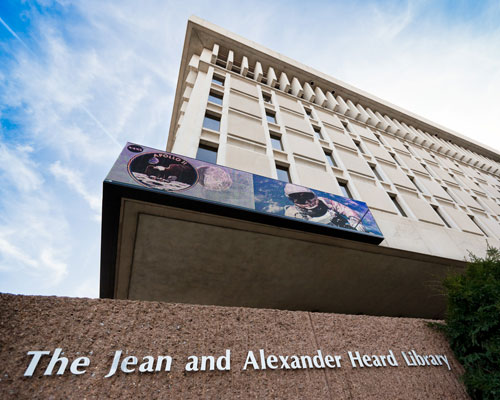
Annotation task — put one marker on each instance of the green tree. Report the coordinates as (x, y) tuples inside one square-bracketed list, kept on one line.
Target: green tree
[(473, 323)]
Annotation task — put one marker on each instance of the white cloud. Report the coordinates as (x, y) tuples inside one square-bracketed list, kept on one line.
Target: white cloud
[(18, 169), (73, 178)]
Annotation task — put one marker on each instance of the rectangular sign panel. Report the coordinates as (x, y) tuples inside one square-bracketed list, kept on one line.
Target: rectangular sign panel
[(159, 171)]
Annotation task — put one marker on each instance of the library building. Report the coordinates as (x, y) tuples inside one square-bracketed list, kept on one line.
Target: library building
[(290, 242)]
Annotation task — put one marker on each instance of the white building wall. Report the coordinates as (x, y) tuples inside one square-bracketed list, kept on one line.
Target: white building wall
[(456, 182)]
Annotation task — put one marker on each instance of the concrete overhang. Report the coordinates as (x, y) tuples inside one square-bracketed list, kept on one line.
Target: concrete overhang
[(203, 34), (172, 249)]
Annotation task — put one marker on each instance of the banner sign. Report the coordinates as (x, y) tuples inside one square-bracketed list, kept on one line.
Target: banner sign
[(159, 171)]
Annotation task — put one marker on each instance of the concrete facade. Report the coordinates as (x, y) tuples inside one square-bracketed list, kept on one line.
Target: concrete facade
[(447, 185)]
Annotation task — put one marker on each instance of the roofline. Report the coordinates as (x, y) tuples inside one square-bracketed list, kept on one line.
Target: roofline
[(203, 33)]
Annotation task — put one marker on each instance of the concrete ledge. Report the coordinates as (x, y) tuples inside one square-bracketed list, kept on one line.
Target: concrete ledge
[(96, 329)]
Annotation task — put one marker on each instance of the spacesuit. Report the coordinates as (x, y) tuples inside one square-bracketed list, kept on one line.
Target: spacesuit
[(309, 207)]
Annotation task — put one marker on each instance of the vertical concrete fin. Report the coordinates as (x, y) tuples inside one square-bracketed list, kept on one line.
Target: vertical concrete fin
[(284, 82), (331, 103), (308, 92), (320, 97), (215, 53), (258, 72), (296, 87)]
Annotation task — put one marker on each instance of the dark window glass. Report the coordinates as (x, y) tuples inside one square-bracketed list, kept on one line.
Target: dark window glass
[(376, 173), (441, 216), (358, 145), (271, 117), (317, 132), (345, 190), (219, 80), (215, 97), (283, 174), (395, 159), (398, 207), (479, 226), (346, 126), (276, 142), (308, 112), (267, 98), (212, 122), (415, 184), (207, 153), (331, 159)]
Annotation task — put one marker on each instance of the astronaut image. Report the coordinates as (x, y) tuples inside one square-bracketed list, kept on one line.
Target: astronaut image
[(308, 206)]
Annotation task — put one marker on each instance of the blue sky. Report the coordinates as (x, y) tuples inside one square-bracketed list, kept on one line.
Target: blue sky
[(80, 79)]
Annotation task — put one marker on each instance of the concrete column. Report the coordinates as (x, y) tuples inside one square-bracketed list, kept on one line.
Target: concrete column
[(373, 120), (230, 60), (258, 72), (284, 82), (383, 123), (331, 103), (296, 87), (320, 97), (244, 66), (363, 115), (342, 107), (215, 53), (188, 134), (353, 111), (271, 77), (308, 92)]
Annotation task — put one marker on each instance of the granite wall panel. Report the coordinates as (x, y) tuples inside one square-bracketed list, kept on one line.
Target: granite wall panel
[(97, 328)]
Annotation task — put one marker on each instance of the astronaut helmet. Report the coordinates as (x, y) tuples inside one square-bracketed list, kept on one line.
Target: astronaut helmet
[(301, 196)]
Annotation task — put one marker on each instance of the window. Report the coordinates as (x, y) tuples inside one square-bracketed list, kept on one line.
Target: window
[(271, 117), (429, 171), (409, 149), (267, 98), (450, 194), (379, 138), (398, 206), (276, 141), (479, 226), (441, 216), (358, 145), (330, 159), (283, 174), (345, 190), (219, 80), (215, 97), (212, 121), (376, 173), (395, 159), (346, 126), (412, 179), (308, 112), (317, 132), (264, 80), (207, 153)]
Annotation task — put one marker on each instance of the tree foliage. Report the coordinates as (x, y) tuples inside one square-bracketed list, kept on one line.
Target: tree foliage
[(473, 323)]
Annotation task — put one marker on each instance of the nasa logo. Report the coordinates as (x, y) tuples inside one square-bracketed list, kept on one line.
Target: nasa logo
[(135, 148)]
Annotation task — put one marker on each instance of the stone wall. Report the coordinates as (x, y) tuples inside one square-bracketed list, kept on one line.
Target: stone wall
[(96, 329)]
